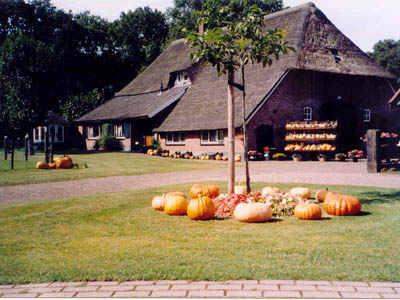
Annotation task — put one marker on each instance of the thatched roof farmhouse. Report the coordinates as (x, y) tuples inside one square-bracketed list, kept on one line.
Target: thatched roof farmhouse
[(327, 78)]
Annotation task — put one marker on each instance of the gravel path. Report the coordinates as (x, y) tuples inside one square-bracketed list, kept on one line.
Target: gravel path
[(340, 173)]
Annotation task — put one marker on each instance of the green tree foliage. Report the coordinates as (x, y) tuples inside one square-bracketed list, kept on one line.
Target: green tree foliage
[(181, 16), (387, 54), (80, 104)]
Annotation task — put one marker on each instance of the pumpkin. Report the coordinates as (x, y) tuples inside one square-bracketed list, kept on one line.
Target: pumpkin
[(208, 190), (201, 208), (158, 202), (175, 194), (218, 157), (41, 165), (149, 152), (253, 212), (240, 190), (269, 190), (52, 166), (224, 158), (307, 211), (63, 162), (302, 192), (175, 205), (320, 195), (238, 158), (341, 205)]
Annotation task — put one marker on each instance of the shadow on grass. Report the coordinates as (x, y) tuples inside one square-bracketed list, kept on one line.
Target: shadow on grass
[(379, 197), (362, 214)]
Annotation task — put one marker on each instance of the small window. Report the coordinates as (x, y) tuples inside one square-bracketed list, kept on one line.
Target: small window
[(212, 136), (57, 132), (307, 114), (367, 115), (38, 134), (335, 54), (175, 138), (94, 131), (181, 78)]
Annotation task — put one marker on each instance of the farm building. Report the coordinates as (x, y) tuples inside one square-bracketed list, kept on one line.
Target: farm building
[(183, 103)]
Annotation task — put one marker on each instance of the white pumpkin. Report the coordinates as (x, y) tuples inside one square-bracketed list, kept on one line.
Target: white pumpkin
[(158, 202), (240, 190), (302, 192), (268, 190), (253, 212)]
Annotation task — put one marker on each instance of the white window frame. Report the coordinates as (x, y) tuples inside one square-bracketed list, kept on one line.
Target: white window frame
[(219, 136), (308, 113), (366, 115), (90, 132), (182, 78), (56, 137), (175, 138), (40, 136), (119, 131)]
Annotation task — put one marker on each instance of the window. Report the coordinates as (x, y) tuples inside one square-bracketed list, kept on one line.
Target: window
[(335, 54), (367, 115), (38, 134), (307, 113), (182, 78), (93, 131), (122, 130), (212, 136), (175, 138), (57, 132)]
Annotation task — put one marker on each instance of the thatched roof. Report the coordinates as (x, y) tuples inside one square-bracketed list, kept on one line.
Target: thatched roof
[(204, 104), (134, 106), (309, 32)]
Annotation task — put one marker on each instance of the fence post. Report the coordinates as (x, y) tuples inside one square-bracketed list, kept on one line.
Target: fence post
[(26, 147), (31, 147), (46, 146), (51, 148), (5, 147), (12, 154), (374, 157)]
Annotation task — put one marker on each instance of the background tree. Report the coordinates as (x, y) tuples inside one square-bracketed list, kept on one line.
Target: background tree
[(387, 54), (240, 41)]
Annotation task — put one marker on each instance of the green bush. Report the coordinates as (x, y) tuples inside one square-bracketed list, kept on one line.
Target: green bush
[(106, 140)]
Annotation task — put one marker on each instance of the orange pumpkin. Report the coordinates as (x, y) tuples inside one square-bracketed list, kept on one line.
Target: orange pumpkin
[(201, 208), (52, 166), (320, 195), (341, 205), (41, 165), (175, 205), (307, 211), (176, 194), (208, 190), (63, 162)]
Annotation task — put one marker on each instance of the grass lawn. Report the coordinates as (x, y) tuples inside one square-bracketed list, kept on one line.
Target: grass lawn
[(119, 237), (98, 165)]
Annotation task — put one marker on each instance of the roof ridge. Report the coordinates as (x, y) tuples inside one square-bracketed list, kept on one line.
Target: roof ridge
[(306, 6)]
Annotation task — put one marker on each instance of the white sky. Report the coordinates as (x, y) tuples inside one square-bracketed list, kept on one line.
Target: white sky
[(365, 22)]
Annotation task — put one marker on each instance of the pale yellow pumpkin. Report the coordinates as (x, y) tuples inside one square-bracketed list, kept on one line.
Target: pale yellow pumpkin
[(269, 190), (302, 192), (158, 202), (238, 158), (240, 190), (253, 212)]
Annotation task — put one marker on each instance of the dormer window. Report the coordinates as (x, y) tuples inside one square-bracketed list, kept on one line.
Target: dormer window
[(181, 78), (335, 54)]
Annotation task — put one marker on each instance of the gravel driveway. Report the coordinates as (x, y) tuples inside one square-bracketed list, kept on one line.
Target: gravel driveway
[(340, 173)]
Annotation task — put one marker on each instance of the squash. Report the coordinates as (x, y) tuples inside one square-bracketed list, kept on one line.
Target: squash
[(253, 212), (175, 194), (201, 208), (240, 190), (238, 158), (320, 195), (149, 152), (269, 190), (341, 205), (218, 157), (209, 190), (224, 158), (158, 202), (52, 166), (41, 165), (175, 205), (302, 192), (308, 211), (63, 162)]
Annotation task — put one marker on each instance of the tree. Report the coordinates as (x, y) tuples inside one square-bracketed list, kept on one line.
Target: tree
[(230, 48), (387, 54), (78, 105), (182, 15)]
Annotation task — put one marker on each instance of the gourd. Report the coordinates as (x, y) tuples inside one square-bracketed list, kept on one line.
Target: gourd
[(201, 208), (320, 195), (209, 190), (149, 152), (238, 158), (240, 190), (224, 158), (41, 165), (269, 190), (341, 205), (308, 211), (158, 202), (253, 212), (175, 205), (302, 192), (63, 162)]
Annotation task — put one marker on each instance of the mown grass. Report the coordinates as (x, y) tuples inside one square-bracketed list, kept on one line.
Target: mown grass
[(96, 165), (119, 237)]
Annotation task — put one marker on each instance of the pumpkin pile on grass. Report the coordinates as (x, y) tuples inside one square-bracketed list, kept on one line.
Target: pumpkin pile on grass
[(59, 163)]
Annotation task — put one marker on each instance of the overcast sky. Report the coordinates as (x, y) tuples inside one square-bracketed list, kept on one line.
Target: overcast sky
[(365, 22)]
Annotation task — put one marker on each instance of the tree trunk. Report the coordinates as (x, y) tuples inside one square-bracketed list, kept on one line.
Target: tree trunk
[(231, 133), (246, 158), (12, 154)]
